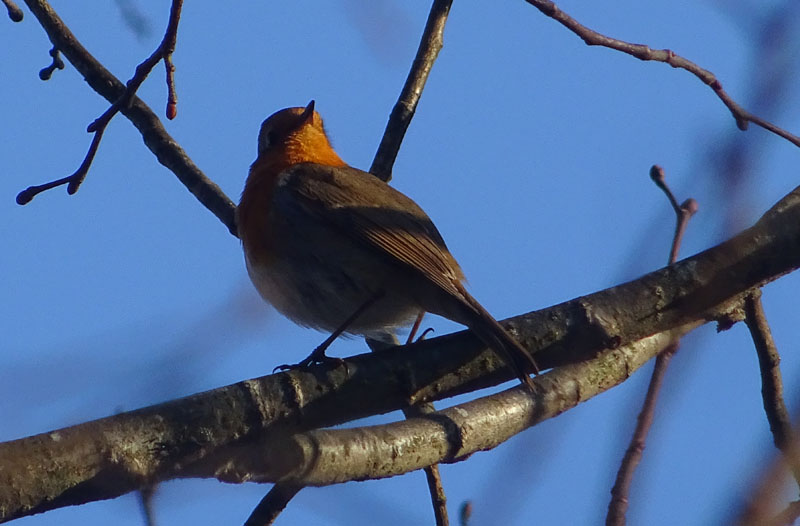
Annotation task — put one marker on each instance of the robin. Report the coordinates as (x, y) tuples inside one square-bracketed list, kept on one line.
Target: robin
[(337, 249)]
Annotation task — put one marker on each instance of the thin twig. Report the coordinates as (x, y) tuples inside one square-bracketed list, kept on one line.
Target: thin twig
[(14, 12), (643, 52), (760, 508), (25, 196), (57, 63), (429, 47), (273, 503), (400, 118), (99, 125), (172, 94), (146, 502), (169, 43), (438, 497), (633, 455), (165, 148), (771, 383), (432, 475), (465, 513), (684, 211), (618, 506)]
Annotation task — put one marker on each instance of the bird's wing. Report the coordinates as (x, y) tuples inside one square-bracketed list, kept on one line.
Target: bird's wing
[(363, 207)]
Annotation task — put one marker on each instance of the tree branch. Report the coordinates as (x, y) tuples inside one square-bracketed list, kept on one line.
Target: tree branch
[(165, 148), (273, 503), (98, 127), (14, 12), (618, 506), (771, 383), (643, 52), (47, 72), (201, 434), (323, 457), (403, 111)]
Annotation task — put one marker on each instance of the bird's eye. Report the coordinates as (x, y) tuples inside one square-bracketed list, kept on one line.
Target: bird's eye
[(266, 139)]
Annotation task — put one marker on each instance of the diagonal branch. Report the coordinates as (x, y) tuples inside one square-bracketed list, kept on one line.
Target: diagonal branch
[(203, 434), (406, 105), (155, 137), (643, 52), (98, 127), (273, 503)]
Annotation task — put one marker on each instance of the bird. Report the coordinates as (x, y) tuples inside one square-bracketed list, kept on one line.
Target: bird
[(337, 249)]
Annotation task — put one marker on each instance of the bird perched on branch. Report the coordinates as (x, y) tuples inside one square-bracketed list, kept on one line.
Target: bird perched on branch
[(337, 249)]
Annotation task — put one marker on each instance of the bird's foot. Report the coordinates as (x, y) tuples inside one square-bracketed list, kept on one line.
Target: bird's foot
[(317, 357)]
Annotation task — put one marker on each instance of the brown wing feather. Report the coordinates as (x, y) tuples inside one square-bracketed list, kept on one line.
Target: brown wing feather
[(372, 212)]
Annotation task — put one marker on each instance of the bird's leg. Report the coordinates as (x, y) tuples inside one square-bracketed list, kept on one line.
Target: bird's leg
[(318, 355), (415, 327)]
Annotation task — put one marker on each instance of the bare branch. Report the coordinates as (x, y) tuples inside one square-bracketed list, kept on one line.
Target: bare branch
[(771, 383), (763, 501), (204, 434), (14, 12), (165, 148), (465, 513), (272, 504), (75, 180), (47, 72), (618, 506), (315, 457), (643, 52), (403, 111), (172, 95), (279, 496), (146, 502), (432, 475)]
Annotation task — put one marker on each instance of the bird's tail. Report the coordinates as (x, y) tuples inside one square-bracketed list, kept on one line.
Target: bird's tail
[(496, 337)]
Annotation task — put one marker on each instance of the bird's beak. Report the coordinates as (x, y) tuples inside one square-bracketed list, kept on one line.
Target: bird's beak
[(308, 113)]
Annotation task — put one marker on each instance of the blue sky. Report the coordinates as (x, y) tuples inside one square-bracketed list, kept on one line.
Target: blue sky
[(529, 150)]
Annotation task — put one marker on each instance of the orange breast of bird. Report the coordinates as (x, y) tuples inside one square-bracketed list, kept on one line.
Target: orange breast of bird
[(253, 213)]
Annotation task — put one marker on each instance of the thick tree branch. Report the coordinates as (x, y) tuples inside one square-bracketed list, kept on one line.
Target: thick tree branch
[(403, 111), (165, 148), (643, 52), (324, 457), (201, 434)]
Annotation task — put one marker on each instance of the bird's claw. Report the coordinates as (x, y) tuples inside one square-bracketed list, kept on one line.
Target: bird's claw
[(315, 358)]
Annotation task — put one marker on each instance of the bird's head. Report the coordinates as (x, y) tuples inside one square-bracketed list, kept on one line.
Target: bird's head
[(296, 135)]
